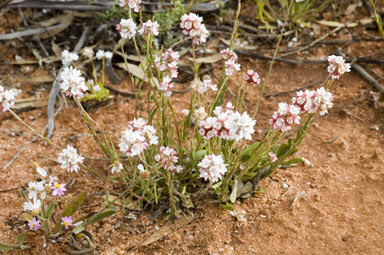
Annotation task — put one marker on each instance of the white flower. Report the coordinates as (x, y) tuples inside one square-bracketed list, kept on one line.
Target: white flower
[(230, 58), (212, 167), (127, 28), (88, 52), (72, 82), (192, 26), (68, 57), (137, 137), (117, 167), (337, 66), (132, 4), (69, 159), (285, 117), (108, 55), (272, 156), (100, 54), (150, 27), (168, 62), (34, 188), (166, 86), (141, 168), (96, 88), (41, 171), (167, 159), (185, 112), (199, 114), (202, 86), (7, 98), (33, 206), (312, 101), (252, 77), (323, 100), (240, 126)]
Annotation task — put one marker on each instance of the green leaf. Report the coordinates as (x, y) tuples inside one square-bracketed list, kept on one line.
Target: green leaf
[(74, 204), (20, 239), (200, 154), (233, 195), (106, 213), (291, 162), (8, 247), (51, 207), (228, 206), (282, 149), (245, 154)]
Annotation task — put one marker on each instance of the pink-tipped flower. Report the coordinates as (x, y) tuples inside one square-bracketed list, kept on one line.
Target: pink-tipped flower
[(212, 167), (310, 101), (127, 28), (231, 64), (166, 85), (285, 117), (150, 27), (337, 66), (202, 86), (168, 159), (58, 189), (34, 224), (72, 82), (192, 26), (272, 156), (168, 62), (137, 137), (70, 159), (252, 77), (132, 4), (67, 221), (7, 98)]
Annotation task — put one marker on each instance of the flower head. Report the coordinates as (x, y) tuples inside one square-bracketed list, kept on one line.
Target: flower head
[(192, 26), (312, 101), (230, 58), (7, 98), (272, 156), (34, 188), (127, 28), (132, 4), (69, 159), (72, 82), (252, 77), (166, 85), (167, 62), (88, 52), (67, 221), (58, 189), (34, 224), (150, 27), (337, 66), (202, 86), (117, 167), (168, 159), (68, 57), (212, 167), (285, 117), (137, 137), (34, 206)]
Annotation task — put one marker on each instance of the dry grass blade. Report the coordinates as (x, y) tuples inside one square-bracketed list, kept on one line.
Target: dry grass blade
[(30, 32), (168, 228)]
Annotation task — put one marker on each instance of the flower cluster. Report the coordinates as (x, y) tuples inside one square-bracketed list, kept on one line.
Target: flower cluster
[(252, 77), (70, 159), (227, 124), (7, 98), (127, 28), (100, 54), (230, 58), (310, 101), (167, 158), (337, 66), (168, 62), (192, 26), (72, 82), (150, 27), (37, 192), (203, 86), (137, 137), (285, 117), (212, 167), (68, 57), (132, 4), (166, 86)]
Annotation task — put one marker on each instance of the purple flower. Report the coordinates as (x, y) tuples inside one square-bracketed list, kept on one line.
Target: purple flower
[(34, 224), (58, 189), (66, 221)]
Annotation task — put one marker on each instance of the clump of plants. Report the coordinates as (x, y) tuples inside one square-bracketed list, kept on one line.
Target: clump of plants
[(163, 155), (299, 12)]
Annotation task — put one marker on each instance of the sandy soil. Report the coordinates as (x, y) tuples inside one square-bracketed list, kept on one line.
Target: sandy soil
[(333, 206)]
